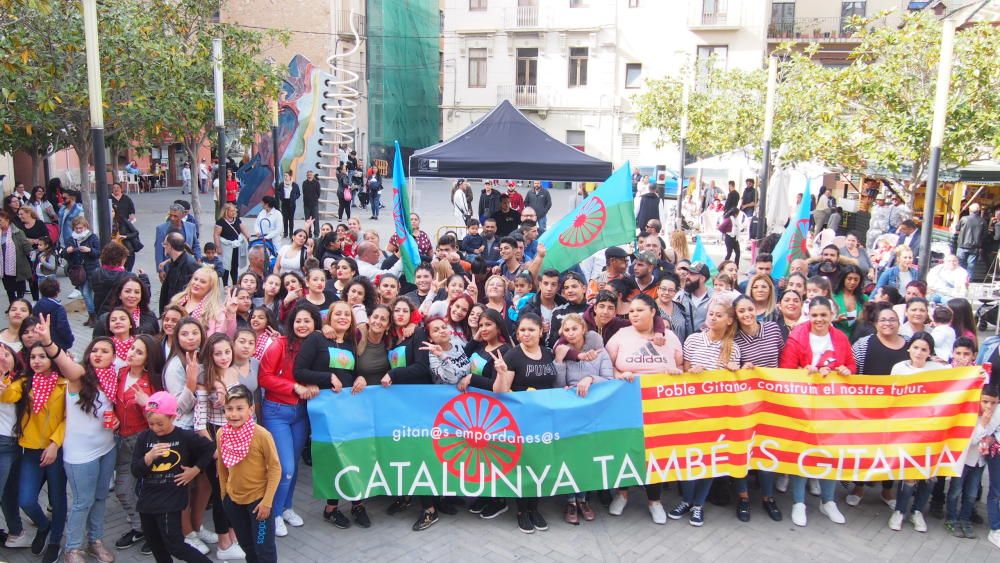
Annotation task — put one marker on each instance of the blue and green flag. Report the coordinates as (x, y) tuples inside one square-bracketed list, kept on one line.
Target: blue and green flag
[(700, 254), (794, 242), (408, 251), (606, 218)]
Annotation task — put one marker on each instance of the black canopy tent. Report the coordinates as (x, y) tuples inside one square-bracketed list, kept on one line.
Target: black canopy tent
[(505, 144)]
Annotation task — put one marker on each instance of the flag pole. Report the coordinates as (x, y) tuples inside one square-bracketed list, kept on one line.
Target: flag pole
[(685, 95), (937, 139), (772, 84)]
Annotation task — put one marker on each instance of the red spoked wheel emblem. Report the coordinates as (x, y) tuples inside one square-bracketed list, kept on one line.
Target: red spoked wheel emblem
[(471, 427), (587, 224)]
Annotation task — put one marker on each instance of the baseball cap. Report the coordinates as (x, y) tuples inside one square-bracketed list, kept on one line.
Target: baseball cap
[(647, 257), (615, 252), (510, 184), (698, 268), (162, 402)]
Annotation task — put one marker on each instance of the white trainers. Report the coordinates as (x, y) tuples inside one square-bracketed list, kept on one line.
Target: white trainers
[(799, 514), (814, 487), (279, 527), (659, 515), (232, 553), (291, 518), (75, 294), (618, 505), (194, 541), (994, 537), (16, 542), (208, 536), (830, 510), (917, 519), (852, 500), (781, 483), (896, 521)]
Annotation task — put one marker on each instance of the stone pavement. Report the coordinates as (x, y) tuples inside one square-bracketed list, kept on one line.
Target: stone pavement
[(631, 537)]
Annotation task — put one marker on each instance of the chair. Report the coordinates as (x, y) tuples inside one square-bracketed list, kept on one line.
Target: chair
[(131, 182)]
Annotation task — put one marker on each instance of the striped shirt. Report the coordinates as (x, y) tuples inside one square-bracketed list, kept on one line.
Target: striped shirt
[(700, 351), (764, 349)]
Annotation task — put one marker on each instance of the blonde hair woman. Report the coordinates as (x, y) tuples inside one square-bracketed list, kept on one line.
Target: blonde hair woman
[(230, 234), (760, 290), (202, 299), (678, 247)]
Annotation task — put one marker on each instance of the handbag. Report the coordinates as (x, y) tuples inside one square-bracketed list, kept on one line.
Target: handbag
[(347, 194), (77, 275)]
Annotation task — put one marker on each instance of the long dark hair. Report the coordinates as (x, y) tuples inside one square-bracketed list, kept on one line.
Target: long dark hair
[(22, 408), (131, 321), (369, 300), (175, 346), (114, 300), (846, 270), (497, 319), (962, 318), (154, 360), (90, 386), (293, 342)]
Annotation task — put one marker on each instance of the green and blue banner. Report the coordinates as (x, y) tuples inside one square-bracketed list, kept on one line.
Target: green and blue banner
[(408, 251)]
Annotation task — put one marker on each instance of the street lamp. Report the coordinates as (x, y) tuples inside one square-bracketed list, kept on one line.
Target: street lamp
[(220, 124), (765, 173), (96, 119), (275, 158)]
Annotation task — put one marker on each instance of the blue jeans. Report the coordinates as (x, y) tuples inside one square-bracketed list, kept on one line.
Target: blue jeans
[(31, 484), (913, 496), (766, 480), (964, 488), (10, 470), (376, 202), (993, 496), (967, 258), (89, 484), (827, 489), (288, 425), (88, 296), (695, 492)]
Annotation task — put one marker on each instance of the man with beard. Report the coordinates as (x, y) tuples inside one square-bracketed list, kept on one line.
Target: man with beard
[(696, 296), (828, 265)]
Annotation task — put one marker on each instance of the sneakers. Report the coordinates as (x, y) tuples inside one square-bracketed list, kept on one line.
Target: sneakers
[(495, 508), (538, 521), (15, 542), (771, 507), (232, 553), (426, 520), (38, 543), (890, 502), (398, 505), (743, 509), (917, 519), (74, 556), (586, 511), (617, 505), (337, 518), (361, 516), (658, 514), (896, 520), (830, 510), (101, 553), (146, 550), (994, 537), (954, 528), (524, 523), (679, 511), (814, 489), (967, 530), (478, 505), (781, 483), (127, 540), (194, 541), (697, 516), (51, 554), (852, 500), (279, 527), (799, 514), (571, 514), (292, 518), (207, 536)]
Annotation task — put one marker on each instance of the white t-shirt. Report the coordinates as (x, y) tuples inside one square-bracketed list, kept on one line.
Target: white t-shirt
[(819, 345), (288, 191), (906, 368), (8, 417), (86, 437)]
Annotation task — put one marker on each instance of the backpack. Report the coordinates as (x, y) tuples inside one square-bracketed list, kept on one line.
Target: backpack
[(726, 226)]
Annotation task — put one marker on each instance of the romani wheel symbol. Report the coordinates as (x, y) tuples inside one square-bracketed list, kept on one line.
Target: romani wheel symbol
[(587, 224), (468, 419)]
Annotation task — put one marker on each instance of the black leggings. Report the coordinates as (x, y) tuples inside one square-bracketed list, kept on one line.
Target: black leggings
[(219, 517), (234, 269), (732, 246), (344, 207), (165, 538), (15, 287), (288, 216)]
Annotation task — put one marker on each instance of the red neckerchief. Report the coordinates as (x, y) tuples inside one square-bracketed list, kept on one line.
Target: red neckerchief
[(136, 316), (107, 378), (234, 443), (198, 310), (113, 268), (42, 385), (263, 341), (122, 346)]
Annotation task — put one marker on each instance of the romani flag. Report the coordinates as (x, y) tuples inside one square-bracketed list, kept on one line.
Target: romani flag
[(794, 242), (606, 218), (408, 251)]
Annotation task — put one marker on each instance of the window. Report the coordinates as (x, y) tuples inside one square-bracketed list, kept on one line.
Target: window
[(477, 5), (477, 68), (714, 54), (630, 140), (527, 67), (576, 139), (633, 72), (782, 19), (578, 66), (714, 11), (847, 11)]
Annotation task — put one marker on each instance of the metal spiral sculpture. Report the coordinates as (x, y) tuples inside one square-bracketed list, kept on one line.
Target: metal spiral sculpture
[(339, 117)]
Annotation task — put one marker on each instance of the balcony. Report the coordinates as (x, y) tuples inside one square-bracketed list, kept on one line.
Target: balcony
[(714, 21), (810, 29), (344, 21), (523, 97), (523, 18)]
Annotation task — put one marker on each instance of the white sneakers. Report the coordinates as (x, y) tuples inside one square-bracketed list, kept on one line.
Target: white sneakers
[(917, 519), (830, 510), (656, 511), (799, 514), (618, 505), (994, 537), (852, 500), (279, 527), (896, 520), (194, 541), (292, 518), (207, 536), (16, 542), (781, 483), (232, 553)]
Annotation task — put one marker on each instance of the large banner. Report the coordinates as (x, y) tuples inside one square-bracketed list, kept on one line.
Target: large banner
[(432, 440)]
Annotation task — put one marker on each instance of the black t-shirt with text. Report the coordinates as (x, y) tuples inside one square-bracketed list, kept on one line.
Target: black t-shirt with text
[(528, 372)]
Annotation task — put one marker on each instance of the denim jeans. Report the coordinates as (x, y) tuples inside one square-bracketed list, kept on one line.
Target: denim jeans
[(88, 297), (827, 489), (766, 480), (695, 492), (993, 496), (10, 470), (89, 484), (912, 496), (125, 482), (288, 424), (54, 474), (964, 488), (967, 259), (376, 203)]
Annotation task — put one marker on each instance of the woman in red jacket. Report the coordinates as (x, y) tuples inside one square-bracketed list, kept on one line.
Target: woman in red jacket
[(284, 408), (821, 349)]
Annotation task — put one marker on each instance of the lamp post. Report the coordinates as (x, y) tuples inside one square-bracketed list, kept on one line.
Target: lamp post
[(96, 119), (220, 124), (937, 139), (685, 94), (772, 84), (275, 159)]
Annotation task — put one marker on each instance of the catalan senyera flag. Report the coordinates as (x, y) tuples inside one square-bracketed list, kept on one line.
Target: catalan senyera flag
[(408, 251), (605, 218), (433, 440), (794, 242)]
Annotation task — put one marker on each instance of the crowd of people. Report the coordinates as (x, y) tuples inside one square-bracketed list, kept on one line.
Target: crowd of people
[(225, 365)]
